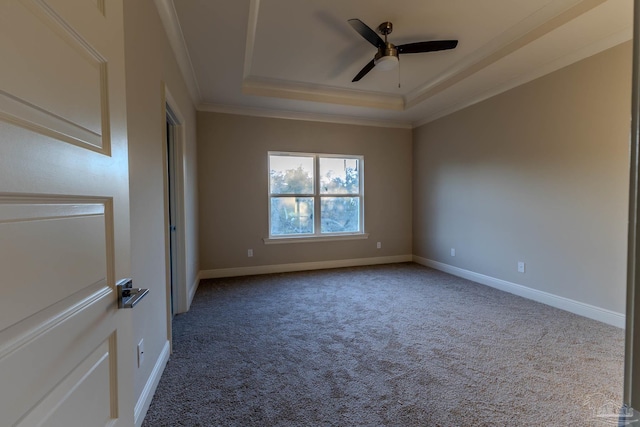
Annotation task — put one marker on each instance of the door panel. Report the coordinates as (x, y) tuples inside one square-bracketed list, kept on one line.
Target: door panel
[(43, 352), (91, 376), (62, 245), (37, 38), (66, 351)]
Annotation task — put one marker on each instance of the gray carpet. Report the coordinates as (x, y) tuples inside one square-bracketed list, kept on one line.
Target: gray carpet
[(394, 345)]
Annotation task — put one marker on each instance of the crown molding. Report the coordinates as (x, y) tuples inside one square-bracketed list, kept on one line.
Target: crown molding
[(557, 64), (297, 115), (535, 26), (171, 24), (313, 92)]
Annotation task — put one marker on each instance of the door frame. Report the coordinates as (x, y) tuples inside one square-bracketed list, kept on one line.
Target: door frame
[(631, 397), (171, 114)]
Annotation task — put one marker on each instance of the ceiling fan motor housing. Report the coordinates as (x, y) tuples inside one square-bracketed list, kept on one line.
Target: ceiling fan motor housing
[(388, 49), (387, 57)]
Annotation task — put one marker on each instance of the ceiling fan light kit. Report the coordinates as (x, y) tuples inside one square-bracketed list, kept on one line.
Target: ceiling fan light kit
[(387, 57), (386, 63)]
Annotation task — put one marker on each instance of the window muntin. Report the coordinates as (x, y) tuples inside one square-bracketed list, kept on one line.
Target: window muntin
[(315, 195)]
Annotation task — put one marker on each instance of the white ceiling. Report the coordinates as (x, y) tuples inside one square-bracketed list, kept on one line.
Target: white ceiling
[(296, 59)]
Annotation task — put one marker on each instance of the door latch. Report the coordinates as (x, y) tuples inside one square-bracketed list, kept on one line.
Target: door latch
[(128, 296)]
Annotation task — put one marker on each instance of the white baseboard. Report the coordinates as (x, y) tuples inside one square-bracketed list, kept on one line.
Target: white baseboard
[(192, 290), (603, 315), (301, 266), (142, 406)]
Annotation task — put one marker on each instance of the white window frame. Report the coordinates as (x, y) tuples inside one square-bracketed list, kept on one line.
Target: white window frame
[(317, 197)]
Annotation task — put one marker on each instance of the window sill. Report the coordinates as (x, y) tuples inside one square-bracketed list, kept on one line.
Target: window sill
[(311, 239)]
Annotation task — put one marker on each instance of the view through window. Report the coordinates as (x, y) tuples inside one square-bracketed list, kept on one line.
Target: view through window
[(315, 194)]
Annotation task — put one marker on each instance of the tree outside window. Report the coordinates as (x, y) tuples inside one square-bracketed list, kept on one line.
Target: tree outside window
[(315, 194)]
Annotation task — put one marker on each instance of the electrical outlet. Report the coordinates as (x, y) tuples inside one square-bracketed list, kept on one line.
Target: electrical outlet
[(453, 251), (521, 266), (378, 245), (140, 352), (250, 253)]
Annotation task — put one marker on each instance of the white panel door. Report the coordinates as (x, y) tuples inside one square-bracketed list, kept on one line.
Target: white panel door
[(66, 351)]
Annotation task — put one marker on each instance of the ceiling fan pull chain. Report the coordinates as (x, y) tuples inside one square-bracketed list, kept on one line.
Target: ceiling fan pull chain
[(398, 73)]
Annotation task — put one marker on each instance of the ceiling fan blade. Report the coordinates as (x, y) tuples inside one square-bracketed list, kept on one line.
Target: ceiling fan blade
[(364, 71), (430, 46), (366, 32)]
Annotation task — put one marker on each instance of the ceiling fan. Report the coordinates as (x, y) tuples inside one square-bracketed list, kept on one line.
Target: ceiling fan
[(387, 56)]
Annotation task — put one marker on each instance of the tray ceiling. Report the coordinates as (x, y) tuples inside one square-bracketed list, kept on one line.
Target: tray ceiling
[(296, 59)]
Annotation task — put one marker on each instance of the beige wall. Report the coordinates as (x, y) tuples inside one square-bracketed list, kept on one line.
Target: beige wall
[(537, 174), (233, 188), (149, 62)]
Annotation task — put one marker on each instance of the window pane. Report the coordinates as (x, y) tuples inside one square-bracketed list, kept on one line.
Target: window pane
[(339, 176), (291, 215), (340, 214), (291, 174)]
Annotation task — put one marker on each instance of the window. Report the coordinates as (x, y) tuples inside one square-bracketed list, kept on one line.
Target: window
[(315, 195)]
